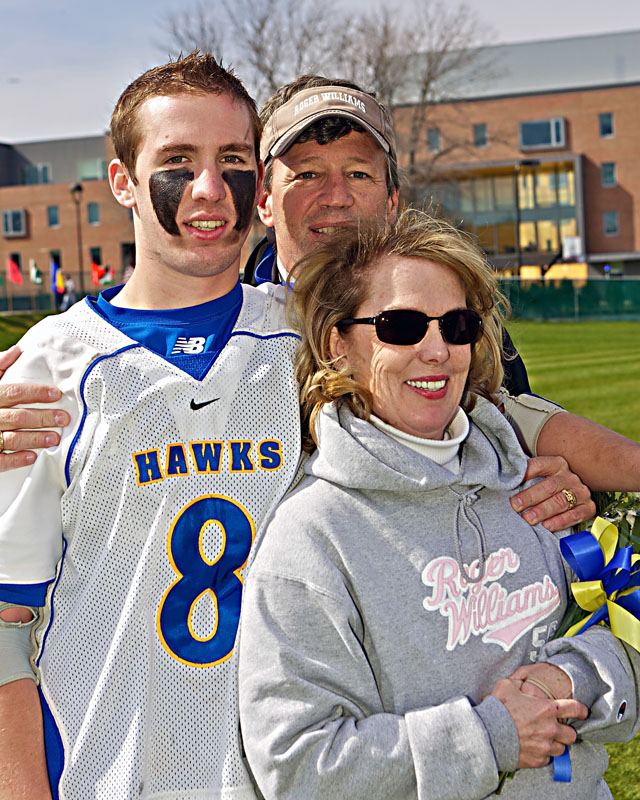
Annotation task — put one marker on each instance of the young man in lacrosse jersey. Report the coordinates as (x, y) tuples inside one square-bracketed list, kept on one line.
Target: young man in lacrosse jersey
[(128, 543)]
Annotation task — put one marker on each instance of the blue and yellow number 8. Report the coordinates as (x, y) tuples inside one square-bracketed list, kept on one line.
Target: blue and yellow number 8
[(198, 576)]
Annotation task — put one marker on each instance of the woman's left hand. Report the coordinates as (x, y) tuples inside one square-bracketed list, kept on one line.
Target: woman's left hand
[(539, 722), (554, 678), (546, 502)]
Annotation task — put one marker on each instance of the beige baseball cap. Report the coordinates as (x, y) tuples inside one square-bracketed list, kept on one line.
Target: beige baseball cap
[(309, 105)]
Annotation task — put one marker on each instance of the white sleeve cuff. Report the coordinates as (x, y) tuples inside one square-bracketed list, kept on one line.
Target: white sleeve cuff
[(527, 414)]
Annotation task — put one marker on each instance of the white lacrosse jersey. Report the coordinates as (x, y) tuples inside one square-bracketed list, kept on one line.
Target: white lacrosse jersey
[(136, 532)]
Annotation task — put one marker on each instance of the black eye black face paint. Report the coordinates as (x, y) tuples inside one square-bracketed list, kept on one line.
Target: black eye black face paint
[(166, 189), (242, 184)]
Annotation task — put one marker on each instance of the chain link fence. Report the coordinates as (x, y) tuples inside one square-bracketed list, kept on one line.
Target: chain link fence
[(32, 296), (597, 298)]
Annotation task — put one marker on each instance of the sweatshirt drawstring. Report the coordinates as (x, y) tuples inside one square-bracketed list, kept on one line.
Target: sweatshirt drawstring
[(466, 511)]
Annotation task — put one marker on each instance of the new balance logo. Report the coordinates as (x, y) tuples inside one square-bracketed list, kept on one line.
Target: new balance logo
[(193, 345)]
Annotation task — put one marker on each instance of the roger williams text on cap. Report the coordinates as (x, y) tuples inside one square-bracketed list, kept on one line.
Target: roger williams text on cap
[(341, 96)]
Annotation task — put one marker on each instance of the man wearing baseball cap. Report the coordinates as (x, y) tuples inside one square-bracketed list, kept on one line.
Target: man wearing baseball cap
[(330, 159)]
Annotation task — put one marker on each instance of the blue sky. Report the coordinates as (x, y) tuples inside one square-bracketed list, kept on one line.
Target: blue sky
[(64, 64)]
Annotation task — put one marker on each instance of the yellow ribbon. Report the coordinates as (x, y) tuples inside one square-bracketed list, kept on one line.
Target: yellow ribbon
[(606, 534), (623, 624), (591, 595)]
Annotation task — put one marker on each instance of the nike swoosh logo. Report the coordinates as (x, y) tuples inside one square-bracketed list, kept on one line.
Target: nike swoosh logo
[(195, 406)]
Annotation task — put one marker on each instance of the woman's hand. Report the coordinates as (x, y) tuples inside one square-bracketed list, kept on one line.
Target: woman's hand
[(16, 423), (541, 734), (545, 501), (554, 678)]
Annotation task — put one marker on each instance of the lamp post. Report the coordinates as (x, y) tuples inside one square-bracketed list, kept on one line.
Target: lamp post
[(76, 194)]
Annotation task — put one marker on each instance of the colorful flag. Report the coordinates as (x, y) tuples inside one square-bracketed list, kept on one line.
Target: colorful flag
[(97, 274), (108, 276), (14, 273), (101, 276), (57, 281), (34, 272)]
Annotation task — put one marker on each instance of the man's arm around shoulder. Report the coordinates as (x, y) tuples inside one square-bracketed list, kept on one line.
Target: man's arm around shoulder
[(23, 770), (604, 459)]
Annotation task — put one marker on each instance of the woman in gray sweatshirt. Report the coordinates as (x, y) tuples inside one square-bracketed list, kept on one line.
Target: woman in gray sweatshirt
[(398, 621)]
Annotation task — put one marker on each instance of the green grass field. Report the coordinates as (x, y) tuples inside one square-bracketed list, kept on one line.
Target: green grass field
[(12, 326), (590, 368)]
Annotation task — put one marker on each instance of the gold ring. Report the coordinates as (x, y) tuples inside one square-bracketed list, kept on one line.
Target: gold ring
[(1, 441), (571, 498)]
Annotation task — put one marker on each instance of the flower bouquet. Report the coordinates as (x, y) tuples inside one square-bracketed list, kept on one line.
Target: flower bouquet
[(606, 561)]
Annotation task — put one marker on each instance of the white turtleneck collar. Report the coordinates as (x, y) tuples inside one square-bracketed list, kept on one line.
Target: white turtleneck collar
[(281, 270), (445, 452)]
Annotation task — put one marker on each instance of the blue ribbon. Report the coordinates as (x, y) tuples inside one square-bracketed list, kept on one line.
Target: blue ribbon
[(584, 555), (562, 767)]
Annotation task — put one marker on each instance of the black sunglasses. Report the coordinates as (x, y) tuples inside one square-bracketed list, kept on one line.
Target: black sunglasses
[(403, 326)]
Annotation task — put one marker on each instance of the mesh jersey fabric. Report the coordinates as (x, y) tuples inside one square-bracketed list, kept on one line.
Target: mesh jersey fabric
[(158, 505)]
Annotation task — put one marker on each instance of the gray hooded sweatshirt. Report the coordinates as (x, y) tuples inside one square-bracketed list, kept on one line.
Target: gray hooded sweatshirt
[(386, 599)]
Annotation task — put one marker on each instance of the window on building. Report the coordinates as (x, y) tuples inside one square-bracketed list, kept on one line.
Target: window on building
[(486, 205), (548, 235), (568, 227), (483, 194), (93, 169), (93, 213), (53, 216), (528, 238), (504, 191), (566, 188), (485, 235), (33, 174), (433, 140), (542, 133), (95, 254), (608, 173), (546, 184), (506, 237), (611, 223), (605, 122), (526, 190), (466, 197), (14, 223), (480, 134)]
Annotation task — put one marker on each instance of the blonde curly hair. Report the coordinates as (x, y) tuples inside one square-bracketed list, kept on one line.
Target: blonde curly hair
[(331, 283)]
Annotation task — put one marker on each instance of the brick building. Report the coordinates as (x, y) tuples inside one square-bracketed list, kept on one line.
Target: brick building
[(43, 221), (539, 161), (536, 157)]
